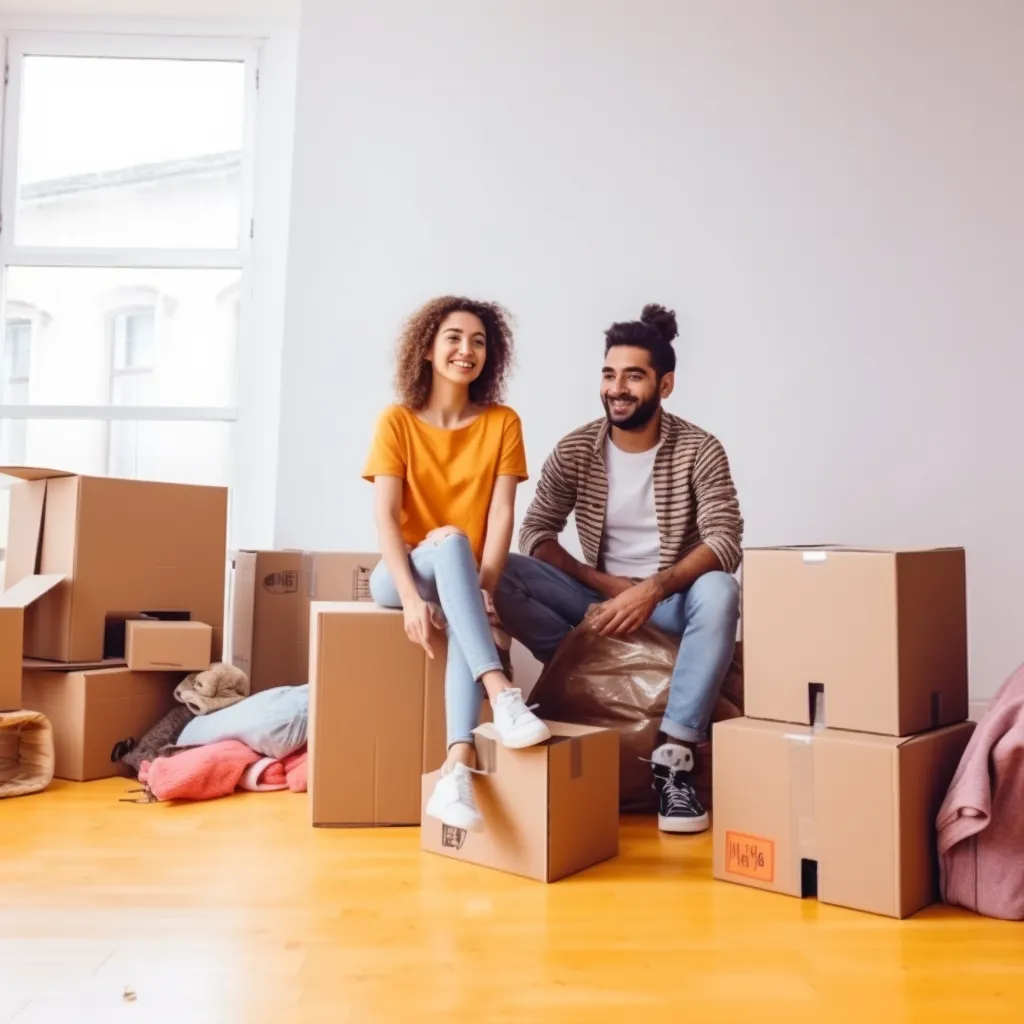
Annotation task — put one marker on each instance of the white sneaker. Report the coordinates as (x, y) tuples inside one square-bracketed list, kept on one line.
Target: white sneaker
[(517, 725), (452, 801)]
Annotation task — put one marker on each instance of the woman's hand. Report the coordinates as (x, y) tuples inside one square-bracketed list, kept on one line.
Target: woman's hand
[(418, 624)]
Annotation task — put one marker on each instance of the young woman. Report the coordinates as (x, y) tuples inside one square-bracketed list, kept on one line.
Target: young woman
[(445, 464)]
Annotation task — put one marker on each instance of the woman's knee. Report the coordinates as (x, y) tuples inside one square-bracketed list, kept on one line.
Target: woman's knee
[(443, 533), (382, 589)]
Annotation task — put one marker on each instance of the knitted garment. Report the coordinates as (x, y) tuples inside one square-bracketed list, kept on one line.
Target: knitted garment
[(217, 687)]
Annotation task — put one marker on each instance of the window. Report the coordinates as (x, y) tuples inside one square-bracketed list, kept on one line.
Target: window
[(130, 373), (126, 214), (17, 355)]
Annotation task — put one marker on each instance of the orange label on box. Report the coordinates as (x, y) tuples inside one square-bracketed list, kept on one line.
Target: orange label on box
[(750, 856)]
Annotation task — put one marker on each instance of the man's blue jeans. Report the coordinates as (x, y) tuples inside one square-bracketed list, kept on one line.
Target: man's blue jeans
[(539, 605)]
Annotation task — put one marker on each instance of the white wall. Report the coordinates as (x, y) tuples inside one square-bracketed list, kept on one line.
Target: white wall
[(277, 10), (831, 195)]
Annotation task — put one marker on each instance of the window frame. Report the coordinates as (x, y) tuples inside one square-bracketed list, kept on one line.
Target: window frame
[(140, 44)]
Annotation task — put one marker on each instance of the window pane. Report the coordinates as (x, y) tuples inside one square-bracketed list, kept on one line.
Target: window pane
[(190, 453), (176, 328), (116, 152)]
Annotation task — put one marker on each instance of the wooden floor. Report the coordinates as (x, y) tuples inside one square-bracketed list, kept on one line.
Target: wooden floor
[(238, 911)]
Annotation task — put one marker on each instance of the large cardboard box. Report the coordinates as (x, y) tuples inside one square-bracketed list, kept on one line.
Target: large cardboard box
[(548, 811), (13, 604), (124, 546), (95, 713), (849, 817), (876, 640), (376, 716), (271, 593), (155, 646)]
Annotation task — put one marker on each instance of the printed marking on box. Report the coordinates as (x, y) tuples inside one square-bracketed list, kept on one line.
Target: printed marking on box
[(361, 583), (285, 582), (750, 857), (452, 838)]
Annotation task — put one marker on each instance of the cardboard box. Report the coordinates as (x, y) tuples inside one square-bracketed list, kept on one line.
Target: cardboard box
[(376, 716), (549, 811), (271, 593), (13, 604), (849, 817), (877, 640), (124, 546), (92, 712), (155, 646)]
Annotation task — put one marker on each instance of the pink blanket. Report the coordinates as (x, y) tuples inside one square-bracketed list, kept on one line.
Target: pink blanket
[(981, 822), (218, 769)]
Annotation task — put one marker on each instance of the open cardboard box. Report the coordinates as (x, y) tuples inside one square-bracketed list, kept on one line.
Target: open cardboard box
[(548, 811), (121, 546), (13, 604)]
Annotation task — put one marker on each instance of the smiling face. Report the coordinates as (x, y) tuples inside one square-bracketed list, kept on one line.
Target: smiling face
[(631, 392), (460, 348)]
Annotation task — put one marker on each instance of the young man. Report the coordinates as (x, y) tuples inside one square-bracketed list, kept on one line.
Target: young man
[(660, 528)]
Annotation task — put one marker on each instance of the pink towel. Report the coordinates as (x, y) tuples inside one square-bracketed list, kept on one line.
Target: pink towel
[(265, 776), (203, 773), (981, 822), (295, 770)]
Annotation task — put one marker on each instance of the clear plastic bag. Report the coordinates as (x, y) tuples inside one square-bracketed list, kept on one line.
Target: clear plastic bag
[(622, 683)]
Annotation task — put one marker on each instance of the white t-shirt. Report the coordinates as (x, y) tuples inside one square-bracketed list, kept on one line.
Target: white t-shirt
[(632, 543)]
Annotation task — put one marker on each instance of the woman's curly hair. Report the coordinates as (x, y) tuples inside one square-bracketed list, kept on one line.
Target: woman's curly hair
[(413, 376)]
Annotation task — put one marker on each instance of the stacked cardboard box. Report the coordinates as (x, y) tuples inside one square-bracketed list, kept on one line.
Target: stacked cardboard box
[(114, 589), (856, 704)]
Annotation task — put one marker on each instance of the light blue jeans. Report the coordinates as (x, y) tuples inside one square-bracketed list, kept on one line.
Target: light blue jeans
[(539, 605), (446, 573)]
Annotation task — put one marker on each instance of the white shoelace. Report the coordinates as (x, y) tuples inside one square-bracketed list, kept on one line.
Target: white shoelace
[(681, 798), (513, 704), (464, 785)]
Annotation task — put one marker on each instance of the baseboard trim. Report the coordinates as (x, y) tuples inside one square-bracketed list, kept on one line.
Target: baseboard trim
[(976, 709)]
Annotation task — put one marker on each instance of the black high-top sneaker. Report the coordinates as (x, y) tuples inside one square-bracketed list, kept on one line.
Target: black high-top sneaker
[(679, 810)]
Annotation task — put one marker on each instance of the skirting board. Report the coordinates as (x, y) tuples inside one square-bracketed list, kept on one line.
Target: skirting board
[(977, 709)]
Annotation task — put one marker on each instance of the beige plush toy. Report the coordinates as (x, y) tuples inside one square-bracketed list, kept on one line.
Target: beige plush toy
[(217, 687)]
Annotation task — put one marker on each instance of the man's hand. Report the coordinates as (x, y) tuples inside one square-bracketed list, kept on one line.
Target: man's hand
[(627, 612), (611, 586)]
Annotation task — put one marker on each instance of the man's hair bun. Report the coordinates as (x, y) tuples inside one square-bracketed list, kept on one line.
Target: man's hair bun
[(662, 320)]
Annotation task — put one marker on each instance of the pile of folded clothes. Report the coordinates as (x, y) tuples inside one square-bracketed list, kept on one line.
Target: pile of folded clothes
[(222, 743)]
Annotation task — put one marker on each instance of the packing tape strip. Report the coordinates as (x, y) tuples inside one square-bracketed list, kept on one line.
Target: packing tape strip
[(801, 783)]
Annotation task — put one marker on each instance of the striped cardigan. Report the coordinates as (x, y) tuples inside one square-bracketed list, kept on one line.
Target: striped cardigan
[(695, 497)]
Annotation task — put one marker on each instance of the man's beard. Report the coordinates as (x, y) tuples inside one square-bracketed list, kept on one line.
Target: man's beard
[(641, 415)]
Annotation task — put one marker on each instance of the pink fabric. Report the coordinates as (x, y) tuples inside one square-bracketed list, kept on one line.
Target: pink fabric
[(981, 821), (295, 769), (204, 773), (265, 776)]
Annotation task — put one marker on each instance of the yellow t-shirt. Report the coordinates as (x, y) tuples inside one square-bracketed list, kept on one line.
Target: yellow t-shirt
[(449, 474)]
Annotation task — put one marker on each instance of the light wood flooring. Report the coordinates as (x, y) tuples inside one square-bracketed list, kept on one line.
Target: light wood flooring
[(238, 911)]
